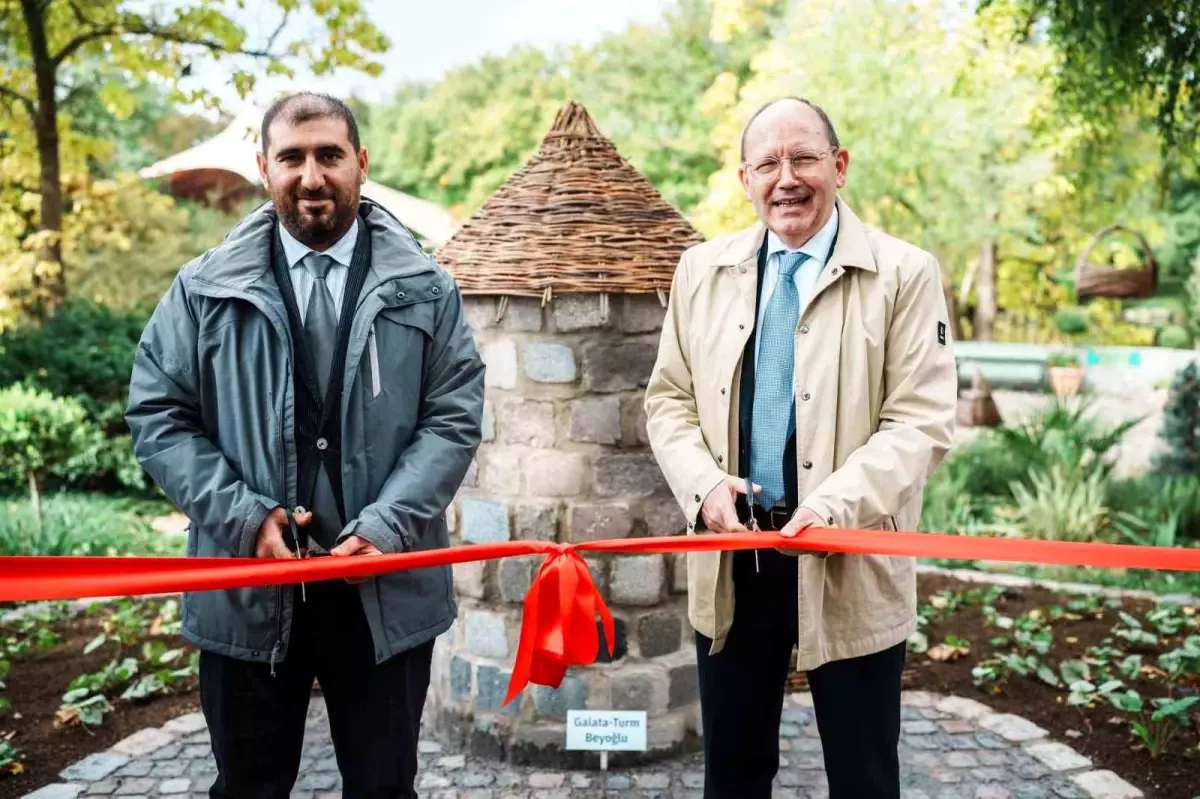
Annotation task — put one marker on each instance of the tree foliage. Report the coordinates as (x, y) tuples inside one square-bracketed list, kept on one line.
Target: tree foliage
[(1112, 52), (45, 45)]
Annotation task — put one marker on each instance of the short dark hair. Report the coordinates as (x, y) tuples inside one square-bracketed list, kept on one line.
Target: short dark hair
[(306, 106), (833, 137)]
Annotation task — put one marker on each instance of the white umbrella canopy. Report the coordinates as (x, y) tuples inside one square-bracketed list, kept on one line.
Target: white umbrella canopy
[(227, 162)]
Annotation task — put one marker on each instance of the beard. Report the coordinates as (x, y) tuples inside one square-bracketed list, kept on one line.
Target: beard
[(323, 226)]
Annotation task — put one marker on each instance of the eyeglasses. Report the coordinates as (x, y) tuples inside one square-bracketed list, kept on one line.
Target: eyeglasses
[(801, 162)]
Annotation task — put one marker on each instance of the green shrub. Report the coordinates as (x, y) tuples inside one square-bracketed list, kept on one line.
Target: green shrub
[(42, 435), (1063, 433), (1061, 505), (1062, 358), (1071, 321), (1180, 429), (84, 351), (1174, 336), (84, 524)]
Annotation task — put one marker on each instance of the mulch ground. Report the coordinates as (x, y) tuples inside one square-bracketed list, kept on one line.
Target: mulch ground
[(39, 678), (1100, 732)]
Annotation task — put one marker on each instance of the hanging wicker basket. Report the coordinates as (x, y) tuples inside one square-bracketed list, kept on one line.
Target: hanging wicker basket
[(1098, 280)]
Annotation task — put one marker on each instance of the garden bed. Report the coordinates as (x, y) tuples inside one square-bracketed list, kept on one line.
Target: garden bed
[(969, 616), (46, 654), (1053, 629)]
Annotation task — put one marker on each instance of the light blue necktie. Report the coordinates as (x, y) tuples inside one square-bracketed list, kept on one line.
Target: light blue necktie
[(773, 389)]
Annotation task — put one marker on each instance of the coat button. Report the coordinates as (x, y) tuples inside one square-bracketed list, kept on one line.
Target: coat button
[(720, 459), (697, 497), (400, 295), (808, 464), (804, 329), (722, 392), (741, 327), (436, 290), (806, 396), (322, 444)]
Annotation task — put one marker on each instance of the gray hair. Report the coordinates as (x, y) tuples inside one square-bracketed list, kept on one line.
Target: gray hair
[(833, 137)]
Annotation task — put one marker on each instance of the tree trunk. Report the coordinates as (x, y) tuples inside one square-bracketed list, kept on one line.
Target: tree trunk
[(49, 282), (985, 308), (36, 498)]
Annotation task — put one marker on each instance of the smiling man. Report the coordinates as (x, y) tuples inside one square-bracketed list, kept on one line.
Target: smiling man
[(808, 358), (310, 387)]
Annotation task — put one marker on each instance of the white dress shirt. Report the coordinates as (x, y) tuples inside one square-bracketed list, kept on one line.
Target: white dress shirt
[(817, 248), (301, 273)]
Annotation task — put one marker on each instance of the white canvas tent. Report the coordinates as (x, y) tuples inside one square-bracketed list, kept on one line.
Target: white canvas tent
[(225, 165)]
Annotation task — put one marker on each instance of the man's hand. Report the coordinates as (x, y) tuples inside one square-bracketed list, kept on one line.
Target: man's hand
[(269, 543), (355, 546), (801, 520), (718, 511)]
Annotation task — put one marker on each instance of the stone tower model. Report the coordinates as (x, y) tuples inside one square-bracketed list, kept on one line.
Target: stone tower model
[(565, 271)]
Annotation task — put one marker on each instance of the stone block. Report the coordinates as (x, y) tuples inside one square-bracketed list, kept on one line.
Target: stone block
[(471, 478), (515, 575), (536, 521), (554, 474), (598, 522), (963, 707), (659, 633), (549, 362), (679, 574), (599, 571), (663, 516), (491, 686), (470, 579), (639, 689), (1106, 785), (642, 313), (484, 520), (524, 421), (1012, 728), (1057, 756), (186, 724), (480, 312), (94, 768), (143, 742), (577, 312), (684, 686), (57, 790), (452, 518), (620, 642), (486, 635), (640, 434), (460, 679), (554, 703), (596, 420), (666, 732), (637, 579), (500, 358), (487, 422), (500, 470), (630, 474), (177, 785), (523, 314), (618, 366)]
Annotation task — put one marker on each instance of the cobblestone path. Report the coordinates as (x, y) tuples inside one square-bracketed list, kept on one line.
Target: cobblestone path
[(950, 748)]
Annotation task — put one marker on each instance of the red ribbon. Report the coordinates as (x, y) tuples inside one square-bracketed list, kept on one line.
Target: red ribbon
[(558, 629)]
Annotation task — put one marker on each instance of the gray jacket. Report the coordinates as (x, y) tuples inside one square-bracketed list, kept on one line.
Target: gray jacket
[(211, 410)]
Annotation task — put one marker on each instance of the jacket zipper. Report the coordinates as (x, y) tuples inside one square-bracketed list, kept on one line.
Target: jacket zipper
[(373, 347)]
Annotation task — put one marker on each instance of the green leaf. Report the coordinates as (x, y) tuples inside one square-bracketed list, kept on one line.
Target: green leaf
[(95, 643), (1047, 675), (1074, 670)]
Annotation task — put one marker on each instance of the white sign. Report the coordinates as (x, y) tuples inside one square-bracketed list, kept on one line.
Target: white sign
[(607, 730)]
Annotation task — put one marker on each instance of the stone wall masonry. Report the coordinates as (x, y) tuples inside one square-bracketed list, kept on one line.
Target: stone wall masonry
[(565, 458)]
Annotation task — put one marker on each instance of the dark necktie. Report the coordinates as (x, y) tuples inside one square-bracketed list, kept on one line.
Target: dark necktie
[(320, 330)]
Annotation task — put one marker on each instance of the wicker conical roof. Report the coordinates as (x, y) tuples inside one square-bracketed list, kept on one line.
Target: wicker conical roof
[(576, 218)]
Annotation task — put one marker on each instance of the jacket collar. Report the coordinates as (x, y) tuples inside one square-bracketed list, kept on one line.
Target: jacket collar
[(243, 259), (851, 249)]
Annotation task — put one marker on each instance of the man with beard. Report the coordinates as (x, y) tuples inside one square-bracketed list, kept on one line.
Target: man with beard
[(310, 387), (804, 379)]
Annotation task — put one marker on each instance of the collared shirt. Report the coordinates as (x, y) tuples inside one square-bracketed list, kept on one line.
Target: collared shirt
[(817, 248), (301, 273)]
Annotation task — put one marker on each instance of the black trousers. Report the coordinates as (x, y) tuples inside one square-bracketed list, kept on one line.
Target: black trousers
[(857, 701), (257, 720)]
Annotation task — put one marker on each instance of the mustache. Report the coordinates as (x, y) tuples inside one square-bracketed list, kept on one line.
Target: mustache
[(323, 194)]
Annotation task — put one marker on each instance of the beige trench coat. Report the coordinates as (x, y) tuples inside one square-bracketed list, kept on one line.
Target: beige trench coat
[(874, 356)]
